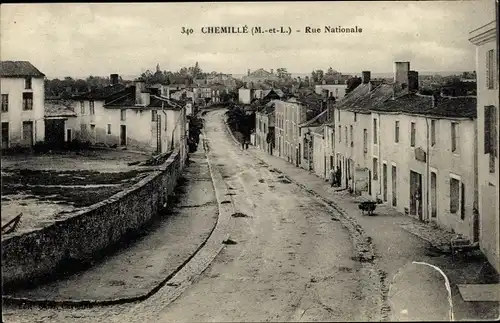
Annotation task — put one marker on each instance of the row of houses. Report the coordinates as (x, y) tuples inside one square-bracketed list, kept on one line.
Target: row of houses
[(434, 158), (136, 116)]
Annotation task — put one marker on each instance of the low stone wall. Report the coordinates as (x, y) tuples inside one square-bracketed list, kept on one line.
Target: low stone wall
[(82, 235)]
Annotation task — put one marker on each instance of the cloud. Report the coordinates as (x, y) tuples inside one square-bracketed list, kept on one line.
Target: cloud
[(102, 38)]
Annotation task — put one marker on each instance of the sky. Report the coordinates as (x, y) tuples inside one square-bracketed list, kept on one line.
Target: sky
[(127, 38)]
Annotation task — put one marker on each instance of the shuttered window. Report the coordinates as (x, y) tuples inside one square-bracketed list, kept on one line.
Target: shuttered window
[(490, 69), (490, 130)]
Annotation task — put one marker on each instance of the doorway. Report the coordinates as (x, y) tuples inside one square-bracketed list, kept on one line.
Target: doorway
[(5, 135), (416, 194), (54, 132), (394, 186), (93, 134), (27, 133), (433, 195), (123, 135), (384, 180)]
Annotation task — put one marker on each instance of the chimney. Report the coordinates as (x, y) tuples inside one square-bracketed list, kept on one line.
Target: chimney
[(114, 79), (413, 81), (139, 88), (366, 76), (401, 71), (272, 71), (248, 72)]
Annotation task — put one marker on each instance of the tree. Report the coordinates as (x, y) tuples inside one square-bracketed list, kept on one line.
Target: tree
[(283, 73), (317, 76), (352, 83), (330, 71)]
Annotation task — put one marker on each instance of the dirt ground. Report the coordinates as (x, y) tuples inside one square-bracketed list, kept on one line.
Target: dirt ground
[(42, 186)]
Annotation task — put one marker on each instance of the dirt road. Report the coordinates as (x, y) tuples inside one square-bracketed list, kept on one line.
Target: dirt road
[(287, 259)]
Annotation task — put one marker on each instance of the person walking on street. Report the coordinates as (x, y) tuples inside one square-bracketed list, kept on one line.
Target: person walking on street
[(332, 176)]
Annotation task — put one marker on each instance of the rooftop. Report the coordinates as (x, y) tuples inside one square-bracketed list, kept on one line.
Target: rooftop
[(446, 107), (58, 108), (101, 94), (19, 69)]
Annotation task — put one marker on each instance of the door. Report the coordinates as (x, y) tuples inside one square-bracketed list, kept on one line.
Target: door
[(369, 182), (93, 134), (27, 133), (394, 187), (123, 135), (68, 135), (5, 135), (433, 195), (416, 194), (54, 131), (384, 180)]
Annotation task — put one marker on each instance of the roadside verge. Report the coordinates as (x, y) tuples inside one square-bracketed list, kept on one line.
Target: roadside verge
[(192, 255)]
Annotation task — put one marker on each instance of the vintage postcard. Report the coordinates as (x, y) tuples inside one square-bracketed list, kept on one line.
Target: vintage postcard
[(250, 161)]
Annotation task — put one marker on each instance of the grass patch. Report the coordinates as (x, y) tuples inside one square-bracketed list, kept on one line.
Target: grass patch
[(77, 177), (78, 197)]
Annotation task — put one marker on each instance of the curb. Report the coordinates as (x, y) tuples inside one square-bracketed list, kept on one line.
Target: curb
[(362, 243), (93, 303)]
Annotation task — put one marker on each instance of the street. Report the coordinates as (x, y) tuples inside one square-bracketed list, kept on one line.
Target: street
[(287, 259)]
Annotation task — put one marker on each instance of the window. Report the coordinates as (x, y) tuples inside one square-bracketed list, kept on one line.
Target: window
[(365, 141), (346, 138), (338, 116), (490, 69), (355, 117), (375, 132), (82, 107), (375, 169), (109, 128), (396, 131), (454, 195), (413, 131), (462, 202), (154, 115), (27, 83), (5, 102), (454, 134), (351, 131), (340, 134), (83, 129), (92, 111), (433, 132), (27, 101), (123, 114)]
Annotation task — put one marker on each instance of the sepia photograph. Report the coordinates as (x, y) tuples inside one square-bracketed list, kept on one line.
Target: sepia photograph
[(320, 161)]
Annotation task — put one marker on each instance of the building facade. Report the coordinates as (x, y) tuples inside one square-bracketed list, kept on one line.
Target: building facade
[(487, 58), (289, 114), (23, 104)]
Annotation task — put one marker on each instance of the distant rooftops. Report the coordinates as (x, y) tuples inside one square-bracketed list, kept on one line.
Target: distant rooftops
[(19, 69)]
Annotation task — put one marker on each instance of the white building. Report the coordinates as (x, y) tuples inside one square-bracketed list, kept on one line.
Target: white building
[(485, 39), (23, 97)]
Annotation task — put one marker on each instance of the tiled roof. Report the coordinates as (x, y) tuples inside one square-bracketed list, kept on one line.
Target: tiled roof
[(58, 108), (446, 107), (319, 130), (317, 120), (162, 102), (363, 103), (101, 94), (19, 69), (260, 73)]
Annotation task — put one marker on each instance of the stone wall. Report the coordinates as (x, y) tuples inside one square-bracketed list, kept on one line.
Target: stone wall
[(80, 236)]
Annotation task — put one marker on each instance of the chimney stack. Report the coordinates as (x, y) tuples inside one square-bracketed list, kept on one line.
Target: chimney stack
[(114, 79), (248, 72), (272, 71), (366, 76), (140, 86), (413, 81), (401, 71)]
